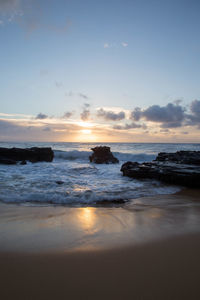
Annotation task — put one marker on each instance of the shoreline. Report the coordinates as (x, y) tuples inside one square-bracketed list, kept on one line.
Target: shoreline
[(138, 251), (167, 269), (25, 228)]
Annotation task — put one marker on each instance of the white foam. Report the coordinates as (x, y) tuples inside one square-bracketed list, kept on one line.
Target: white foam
[(83, 182), (84, 156)]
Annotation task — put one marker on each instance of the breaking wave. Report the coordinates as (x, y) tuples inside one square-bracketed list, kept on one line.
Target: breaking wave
[(84, 156)]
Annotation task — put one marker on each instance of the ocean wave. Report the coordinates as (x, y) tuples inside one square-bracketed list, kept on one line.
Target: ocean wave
[(86, 197), (84, 156)]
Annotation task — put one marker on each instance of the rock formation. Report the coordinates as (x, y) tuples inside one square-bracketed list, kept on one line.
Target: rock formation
[(181, 168), (102, 155), (34, 154)]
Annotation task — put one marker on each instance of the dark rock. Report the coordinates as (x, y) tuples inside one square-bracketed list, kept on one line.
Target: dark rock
[(33, 154), (102, 155), (59, 182), (111, 202), (5, 161), (180, 157), (23, 162), (174, 168)]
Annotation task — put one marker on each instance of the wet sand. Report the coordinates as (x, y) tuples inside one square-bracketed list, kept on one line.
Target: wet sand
[(168, 269), (132, 252)]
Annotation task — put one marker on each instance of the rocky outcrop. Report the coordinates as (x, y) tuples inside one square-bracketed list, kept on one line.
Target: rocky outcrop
[(180, 157), (181, 168), (34, 154), (102, 155)]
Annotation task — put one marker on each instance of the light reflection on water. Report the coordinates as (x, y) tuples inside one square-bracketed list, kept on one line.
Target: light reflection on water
[(69, 229), (87, 218)]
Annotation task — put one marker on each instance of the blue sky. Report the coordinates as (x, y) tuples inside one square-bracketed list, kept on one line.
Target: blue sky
[(55, 56)]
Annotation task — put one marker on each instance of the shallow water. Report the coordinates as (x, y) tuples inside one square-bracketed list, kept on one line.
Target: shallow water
[(83, 183), (58, 228)]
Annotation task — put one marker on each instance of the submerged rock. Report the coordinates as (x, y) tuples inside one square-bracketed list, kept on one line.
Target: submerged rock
[(181, 168), (33, 154), (59, 182), (102, 155)]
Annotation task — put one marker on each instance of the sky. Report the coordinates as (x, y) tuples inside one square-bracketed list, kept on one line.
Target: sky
[(100, 71)]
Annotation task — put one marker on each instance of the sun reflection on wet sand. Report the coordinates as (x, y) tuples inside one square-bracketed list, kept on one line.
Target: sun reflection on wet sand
[(75, 229), (87, 218)]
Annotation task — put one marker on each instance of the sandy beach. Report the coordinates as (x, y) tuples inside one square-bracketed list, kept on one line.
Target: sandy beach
[(127, 252), (161, 270)]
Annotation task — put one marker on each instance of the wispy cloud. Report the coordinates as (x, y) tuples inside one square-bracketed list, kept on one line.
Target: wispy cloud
[(124, 44), (29, 15), (41, 116), (106, 45), (67, 114), (85, 115), (79, 94), (115, 45), (10, 10), (83, 96), (130, 126), (58, 84)]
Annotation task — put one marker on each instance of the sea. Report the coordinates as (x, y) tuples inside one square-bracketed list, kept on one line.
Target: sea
[(83, 183)]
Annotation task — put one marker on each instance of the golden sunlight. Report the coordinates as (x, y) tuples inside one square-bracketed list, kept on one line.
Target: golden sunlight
[(85, 124), (86, 131), (87, 218)]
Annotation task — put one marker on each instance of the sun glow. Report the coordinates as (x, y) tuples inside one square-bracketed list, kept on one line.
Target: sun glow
[(85, 124), (86, 131), (87, 218)]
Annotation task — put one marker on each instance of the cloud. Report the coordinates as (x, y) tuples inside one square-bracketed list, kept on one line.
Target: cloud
[(83, 96), (46, 129), (136, 114), (18, 130), (67, 114), (9, 10), (164, 130), (85, 115), (58, 84), (195, 108), (41, 116), (178, 101), (9, 6), (30, 16), (194, 117), (6, 125), (170, 116), (115, 45), (106, 45), (110, 115), (124, 44), (130, 126), (72, 94)]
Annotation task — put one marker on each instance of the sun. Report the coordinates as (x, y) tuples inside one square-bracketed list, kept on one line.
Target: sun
[(86, 131)]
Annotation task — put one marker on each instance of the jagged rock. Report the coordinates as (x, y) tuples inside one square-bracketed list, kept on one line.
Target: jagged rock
[(33, 154), (168, 167), (102, 155), (23, 162), (180, 157)]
